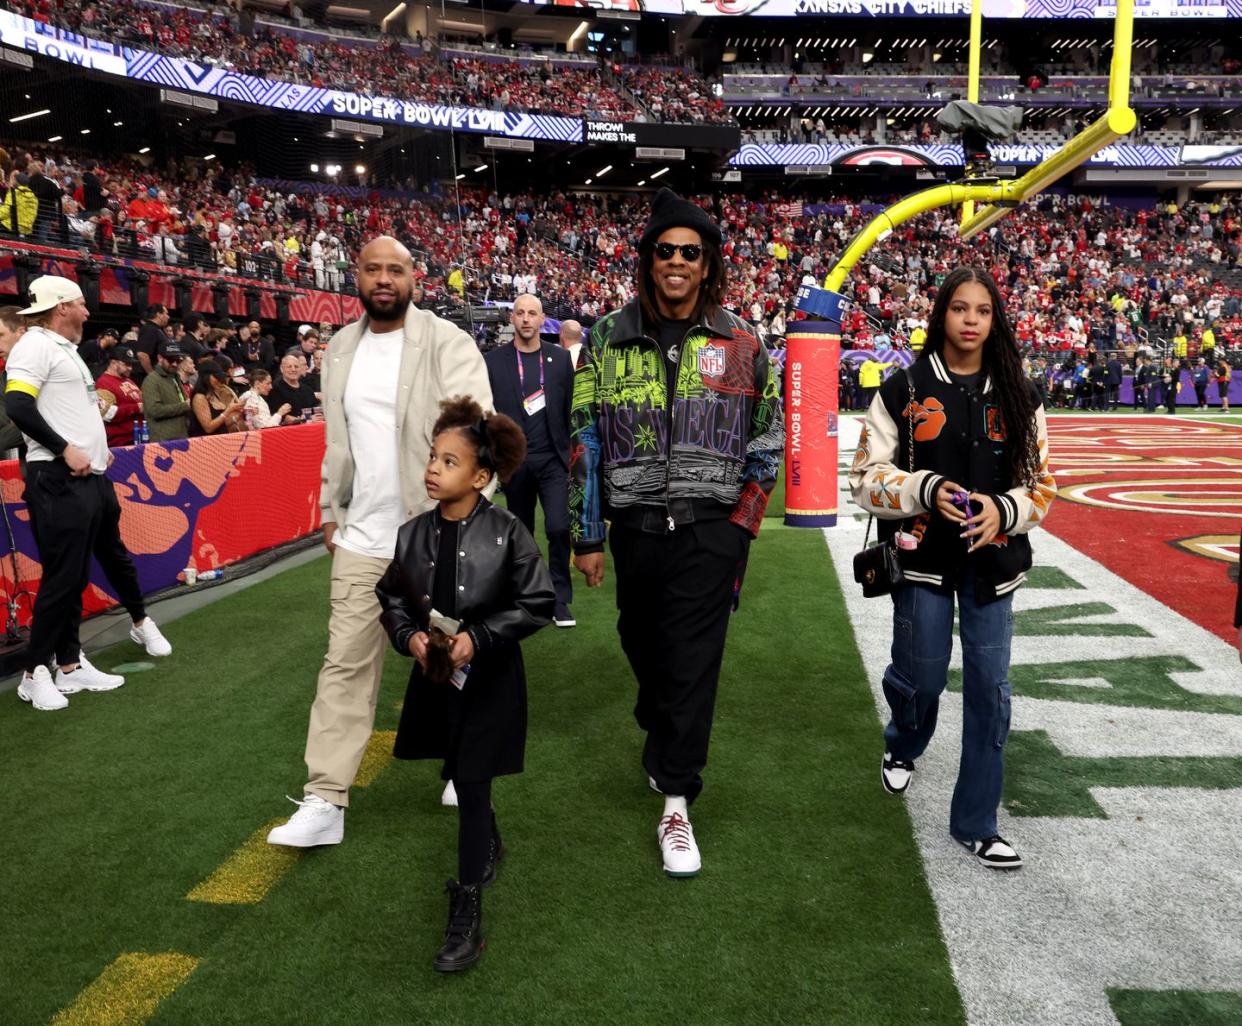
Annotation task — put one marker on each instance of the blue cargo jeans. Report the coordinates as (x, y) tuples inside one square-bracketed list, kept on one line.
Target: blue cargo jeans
[(915, 679)]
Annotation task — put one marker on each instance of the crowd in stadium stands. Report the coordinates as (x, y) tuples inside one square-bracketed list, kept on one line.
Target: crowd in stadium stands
[(384, 69), (1078, 271), (219, 380), (854, 132), (675, 94)]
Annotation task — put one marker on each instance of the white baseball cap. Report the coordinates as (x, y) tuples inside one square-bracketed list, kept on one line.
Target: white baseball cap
[(304, 329), (49, 290)]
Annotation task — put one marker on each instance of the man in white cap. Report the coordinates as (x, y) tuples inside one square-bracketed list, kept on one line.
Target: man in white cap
[(73, 509)]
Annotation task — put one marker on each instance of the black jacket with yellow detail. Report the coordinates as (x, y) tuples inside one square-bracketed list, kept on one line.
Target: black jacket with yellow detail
[(959, 435)]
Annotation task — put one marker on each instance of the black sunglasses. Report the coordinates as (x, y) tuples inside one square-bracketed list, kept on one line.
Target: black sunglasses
[(689, 252)]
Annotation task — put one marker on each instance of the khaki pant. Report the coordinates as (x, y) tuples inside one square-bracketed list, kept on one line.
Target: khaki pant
[(343, 713)]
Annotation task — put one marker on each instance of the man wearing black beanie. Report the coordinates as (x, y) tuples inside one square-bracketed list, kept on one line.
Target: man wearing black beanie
[(677, 437)]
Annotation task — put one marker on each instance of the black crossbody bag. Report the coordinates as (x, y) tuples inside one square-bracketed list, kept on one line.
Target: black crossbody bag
[(877, 567)]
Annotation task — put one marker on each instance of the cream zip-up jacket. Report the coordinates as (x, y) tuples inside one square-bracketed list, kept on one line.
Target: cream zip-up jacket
[(438, 361)]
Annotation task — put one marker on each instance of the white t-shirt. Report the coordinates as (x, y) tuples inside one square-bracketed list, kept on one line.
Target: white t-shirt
[(47, 366), (375, 510)]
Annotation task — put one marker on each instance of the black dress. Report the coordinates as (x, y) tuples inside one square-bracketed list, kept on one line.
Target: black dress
[(487, 571)]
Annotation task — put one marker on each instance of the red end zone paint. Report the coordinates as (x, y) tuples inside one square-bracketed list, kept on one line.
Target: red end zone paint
[(1158, 501)]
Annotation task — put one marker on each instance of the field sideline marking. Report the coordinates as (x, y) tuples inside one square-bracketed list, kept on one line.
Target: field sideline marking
[(1048, 946), (128, 991), (246, 876)]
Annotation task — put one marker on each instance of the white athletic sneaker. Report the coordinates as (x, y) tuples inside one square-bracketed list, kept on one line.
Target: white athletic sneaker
[(681, 854), (150, 638), (39, 691), (449, 797), (316, 822), (86, 678)]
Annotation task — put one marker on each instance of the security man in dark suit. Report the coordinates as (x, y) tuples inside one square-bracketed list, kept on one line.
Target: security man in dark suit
[(533, 382), (1113, 367)]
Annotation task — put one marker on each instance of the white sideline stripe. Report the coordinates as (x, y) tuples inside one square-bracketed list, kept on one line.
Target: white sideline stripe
[(1146, 899)]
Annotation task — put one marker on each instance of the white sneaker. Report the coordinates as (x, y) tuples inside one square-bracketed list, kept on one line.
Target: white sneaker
[(39, 691), (86, 678), (681, 854), (316, 822), (450, 795), (150, 638)]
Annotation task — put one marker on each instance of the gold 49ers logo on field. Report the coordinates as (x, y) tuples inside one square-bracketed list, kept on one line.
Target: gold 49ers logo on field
[(928, 417)]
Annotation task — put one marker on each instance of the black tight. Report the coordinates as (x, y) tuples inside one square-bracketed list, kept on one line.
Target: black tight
[(474, 830)]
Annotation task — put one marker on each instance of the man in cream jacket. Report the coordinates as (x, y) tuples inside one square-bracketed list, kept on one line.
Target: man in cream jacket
[(383, 380)]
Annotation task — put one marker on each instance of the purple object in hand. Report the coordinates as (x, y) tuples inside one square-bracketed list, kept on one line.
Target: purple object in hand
[(962, 501)]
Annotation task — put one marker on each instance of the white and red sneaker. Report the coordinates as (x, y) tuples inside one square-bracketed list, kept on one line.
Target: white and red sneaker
[(677, 846)]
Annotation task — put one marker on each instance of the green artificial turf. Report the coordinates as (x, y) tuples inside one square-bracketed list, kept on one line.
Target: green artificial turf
[(811, 908)]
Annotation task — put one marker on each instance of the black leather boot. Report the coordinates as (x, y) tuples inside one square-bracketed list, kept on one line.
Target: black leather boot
[(463, 937), (495, 852)]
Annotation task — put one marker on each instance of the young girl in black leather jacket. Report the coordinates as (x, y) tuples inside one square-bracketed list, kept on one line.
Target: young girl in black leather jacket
[(467, 583)]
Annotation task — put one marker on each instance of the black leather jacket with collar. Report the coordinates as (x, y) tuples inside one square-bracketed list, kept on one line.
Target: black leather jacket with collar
[(504, 592)]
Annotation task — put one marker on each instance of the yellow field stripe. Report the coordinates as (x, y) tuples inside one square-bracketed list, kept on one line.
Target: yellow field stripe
[(128, 991), (376, 758), (249, 873), (256, 867)]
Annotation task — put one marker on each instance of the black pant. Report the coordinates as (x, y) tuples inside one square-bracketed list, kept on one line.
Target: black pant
[(674, 594), (543, 476), (72, 519), (1201, 395), (474, 830)]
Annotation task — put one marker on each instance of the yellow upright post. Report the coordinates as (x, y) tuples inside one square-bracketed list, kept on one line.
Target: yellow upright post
[(972, 82)]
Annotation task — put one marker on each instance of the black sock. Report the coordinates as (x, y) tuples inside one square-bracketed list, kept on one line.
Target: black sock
[(474, 830)]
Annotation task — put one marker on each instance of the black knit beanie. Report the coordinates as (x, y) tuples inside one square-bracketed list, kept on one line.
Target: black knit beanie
[(668, 210)]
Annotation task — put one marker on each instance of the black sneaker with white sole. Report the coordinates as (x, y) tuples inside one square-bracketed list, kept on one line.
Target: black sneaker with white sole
[(895, 774), (994, 852), (562, 617)]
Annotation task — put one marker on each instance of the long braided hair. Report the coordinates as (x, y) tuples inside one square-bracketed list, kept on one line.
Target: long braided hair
[(1002, 363)]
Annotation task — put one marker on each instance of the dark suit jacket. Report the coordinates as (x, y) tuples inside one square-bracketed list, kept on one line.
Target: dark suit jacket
[(558, 384)]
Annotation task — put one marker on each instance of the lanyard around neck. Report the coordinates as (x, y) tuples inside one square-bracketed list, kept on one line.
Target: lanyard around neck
[(538, 353), (72, 350)]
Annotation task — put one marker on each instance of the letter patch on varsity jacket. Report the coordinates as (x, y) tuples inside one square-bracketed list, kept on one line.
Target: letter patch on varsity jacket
[(995, 423)]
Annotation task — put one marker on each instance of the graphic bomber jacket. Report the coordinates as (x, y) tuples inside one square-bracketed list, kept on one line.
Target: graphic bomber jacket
[(721, 442)]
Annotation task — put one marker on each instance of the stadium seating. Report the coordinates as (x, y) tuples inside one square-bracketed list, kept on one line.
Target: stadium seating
[(386, 67), (1064, 259)]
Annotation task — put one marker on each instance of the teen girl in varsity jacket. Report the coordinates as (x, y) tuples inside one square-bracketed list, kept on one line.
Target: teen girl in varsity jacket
[(979, 428)]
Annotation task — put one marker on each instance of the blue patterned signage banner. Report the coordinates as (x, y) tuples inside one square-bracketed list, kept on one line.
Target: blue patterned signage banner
[(225, 84), (1138, 155)]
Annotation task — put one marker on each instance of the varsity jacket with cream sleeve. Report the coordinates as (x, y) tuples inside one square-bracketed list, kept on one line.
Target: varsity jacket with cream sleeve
[(959, 435)]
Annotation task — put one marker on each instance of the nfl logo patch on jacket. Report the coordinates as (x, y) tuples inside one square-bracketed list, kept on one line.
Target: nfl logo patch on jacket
[(711, 361)]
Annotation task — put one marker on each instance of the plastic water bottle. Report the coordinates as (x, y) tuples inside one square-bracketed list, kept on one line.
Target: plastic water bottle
[(210, 575)]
